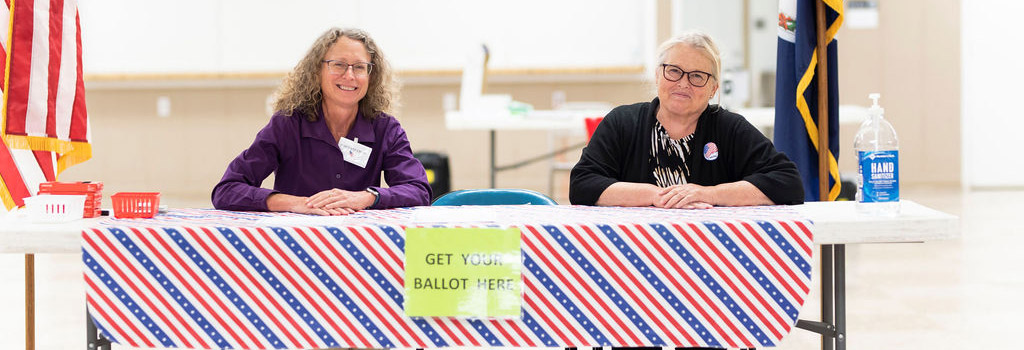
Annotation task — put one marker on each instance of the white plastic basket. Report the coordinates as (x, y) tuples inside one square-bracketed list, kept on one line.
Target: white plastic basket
[(55, 208)]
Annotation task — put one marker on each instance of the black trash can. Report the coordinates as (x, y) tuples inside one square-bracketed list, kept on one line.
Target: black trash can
[(848, 188), (438, 174)]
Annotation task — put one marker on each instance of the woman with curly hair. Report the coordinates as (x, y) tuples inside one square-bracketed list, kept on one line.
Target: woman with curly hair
[(329, 139)]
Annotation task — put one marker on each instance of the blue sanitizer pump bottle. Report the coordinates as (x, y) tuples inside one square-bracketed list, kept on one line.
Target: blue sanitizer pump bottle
[(878, 180)]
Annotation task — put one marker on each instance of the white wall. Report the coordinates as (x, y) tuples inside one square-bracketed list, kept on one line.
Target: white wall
[(195, 36), (722, 19), (991, 113)]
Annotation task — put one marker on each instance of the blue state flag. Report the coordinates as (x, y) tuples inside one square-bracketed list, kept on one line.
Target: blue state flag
[(796, 91)]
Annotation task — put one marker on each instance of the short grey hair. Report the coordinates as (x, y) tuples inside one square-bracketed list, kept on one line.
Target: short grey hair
[(699, 41)]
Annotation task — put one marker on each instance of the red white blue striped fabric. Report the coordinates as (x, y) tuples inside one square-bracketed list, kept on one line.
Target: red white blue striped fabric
[(727, 277)]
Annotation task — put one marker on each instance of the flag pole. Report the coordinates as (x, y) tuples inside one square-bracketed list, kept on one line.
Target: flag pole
[(822, 75), (833, 304)]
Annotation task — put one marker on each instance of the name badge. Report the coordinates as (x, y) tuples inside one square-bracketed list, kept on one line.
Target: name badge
[(354, 152)]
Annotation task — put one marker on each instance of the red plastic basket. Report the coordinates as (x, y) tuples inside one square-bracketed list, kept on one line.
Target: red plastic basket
[(135, 204)]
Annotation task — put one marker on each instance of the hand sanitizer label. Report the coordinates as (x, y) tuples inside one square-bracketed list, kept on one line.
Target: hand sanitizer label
[(881, 173)]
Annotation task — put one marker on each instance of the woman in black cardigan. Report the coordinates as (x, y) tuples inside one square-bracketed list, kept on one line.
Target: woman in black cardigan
[(678, 151)]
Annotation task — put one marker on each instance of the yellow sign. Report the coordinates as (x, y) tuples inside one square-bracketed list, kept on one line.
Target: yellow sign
[(463, 272)]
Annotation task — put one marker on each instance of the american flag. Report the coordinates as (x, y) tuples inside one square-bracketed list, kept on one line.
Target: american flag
[(45, 128)]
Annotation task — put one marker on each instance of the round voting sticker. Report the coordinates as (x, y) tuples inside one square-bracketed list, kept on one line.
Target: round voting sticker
[(710, 151)]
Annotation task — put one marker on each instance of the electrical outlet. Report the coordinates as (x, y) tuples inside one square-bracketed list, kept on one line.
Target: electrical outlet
[(163, 106)]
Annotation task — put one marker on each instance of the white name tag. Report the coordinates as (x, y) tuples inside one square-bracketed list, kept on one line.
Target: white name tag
[(354, 152)]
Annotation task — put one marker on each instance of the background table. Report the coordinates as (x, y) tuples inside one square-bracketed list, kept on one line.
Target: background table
[(540, 120)]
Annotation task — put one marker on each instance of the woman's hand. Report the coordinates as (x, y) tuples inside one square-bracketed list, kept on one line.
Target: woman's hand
[(340, 202), (296, 204), (305, 209), (688, 196)]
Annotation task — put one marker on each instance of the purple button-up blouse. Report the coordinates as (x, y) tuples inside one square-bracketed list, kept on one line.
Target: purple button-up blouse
[(307, 160)]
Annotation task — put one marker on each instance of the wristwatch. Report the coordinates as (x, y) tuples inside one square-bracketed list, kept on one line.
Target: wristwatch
[(376, 196)]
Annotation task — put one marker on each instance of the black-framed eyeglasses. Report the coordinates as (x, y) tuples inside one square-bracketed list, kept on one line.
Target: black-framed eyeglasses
[(359, 69), (696, 78)]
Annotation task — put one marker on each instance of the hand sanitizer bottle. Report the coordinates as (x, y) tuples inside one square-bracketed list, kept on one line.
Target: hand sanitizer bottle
[(878, 180)]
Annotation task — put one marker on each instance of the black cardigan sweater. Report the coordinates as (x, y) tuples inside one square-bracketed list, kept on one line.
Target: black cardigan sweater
[(619, 150)]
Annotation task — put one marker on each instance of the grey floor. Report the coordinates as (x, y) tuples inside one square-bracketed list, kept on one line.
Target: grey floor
[(937, 295)]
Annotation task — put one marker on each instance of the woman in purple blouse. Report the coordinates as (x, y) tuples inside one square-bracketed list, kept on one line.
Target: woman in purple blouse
[(330, 139)]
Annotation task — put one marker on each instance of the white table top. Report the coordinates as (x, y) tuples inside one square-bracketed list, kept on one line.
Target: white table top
[(30, 238), (569, 119), (764, 118), (835, 223), (839, 223), (534, 120)]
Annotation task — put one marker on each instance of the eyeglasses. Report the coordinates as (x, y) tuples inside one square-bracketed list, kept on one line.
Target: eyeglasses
[(696, 78), (359, 69)]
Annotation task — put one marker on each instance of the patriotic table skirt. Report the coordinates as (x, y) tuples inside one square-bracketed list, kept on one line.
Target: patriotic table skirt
[(204, 279)]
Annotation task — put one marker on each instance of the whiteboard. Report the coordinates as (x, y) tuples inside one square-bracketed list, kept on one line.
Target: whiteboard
[(234, 36)]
